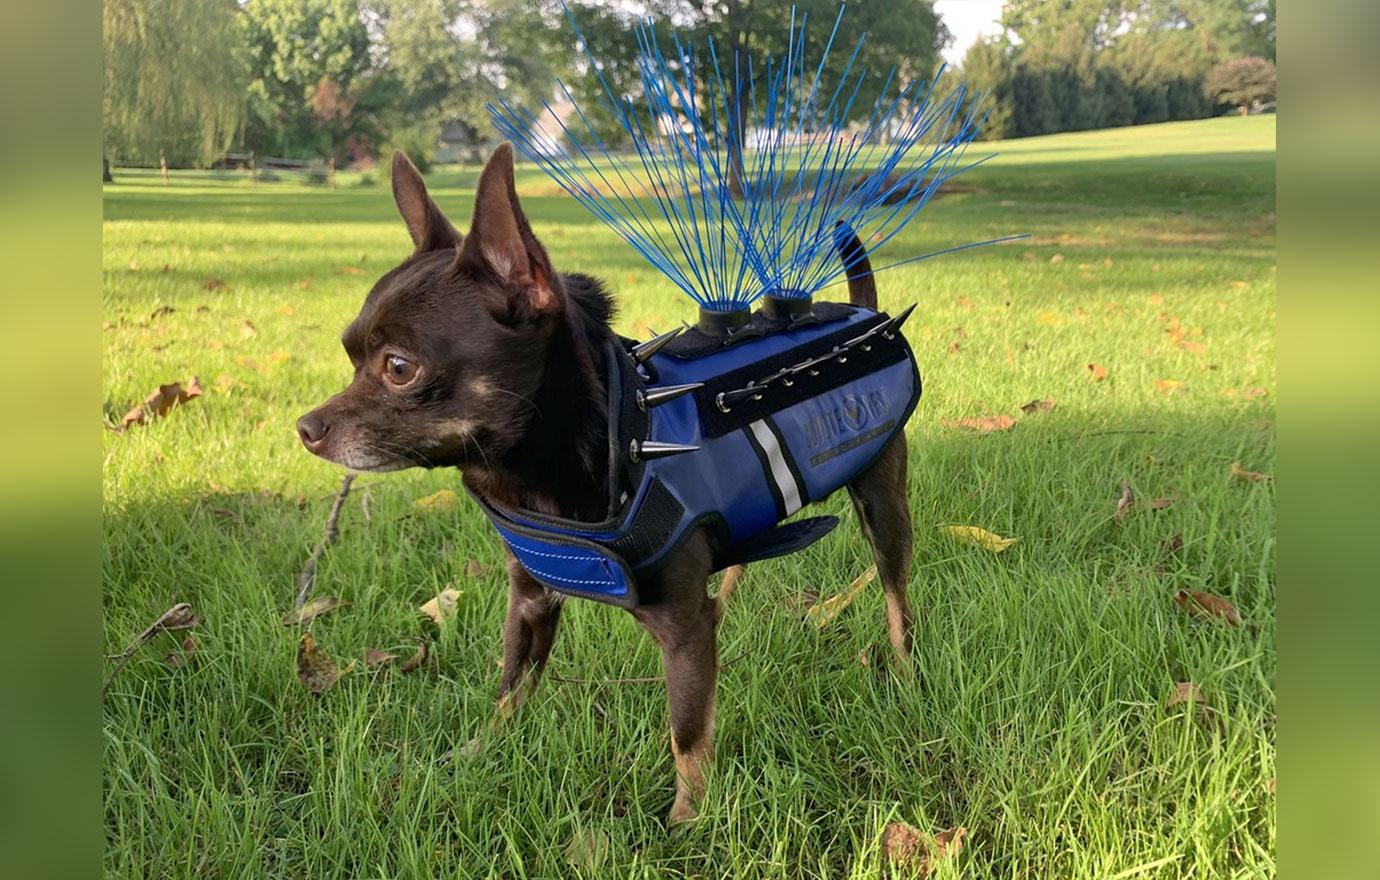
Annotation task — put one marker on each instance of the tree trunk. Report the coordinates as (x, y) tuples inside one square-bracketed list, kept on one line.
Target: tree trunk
[(105, 170), (737, 172), (163, 165), (736, 141)]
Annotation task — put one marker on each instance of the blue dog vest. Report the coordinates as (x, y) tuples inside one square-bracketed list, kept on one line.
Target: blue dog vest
[(784, 414)]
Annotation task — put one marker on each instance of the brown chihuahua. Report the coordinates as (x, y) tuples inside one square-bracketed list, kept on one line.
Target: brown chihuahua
[(474, 353)]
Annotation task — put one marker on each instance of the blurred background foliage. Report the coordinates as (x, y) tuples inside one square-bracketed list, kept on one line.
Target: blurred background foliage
[(350, 80)]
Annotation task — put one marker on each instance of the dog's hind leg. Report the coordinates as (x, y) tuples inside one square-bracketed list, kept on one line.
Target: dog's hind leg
[(528, 633), (732, 575), (879, 497), (683, 623)]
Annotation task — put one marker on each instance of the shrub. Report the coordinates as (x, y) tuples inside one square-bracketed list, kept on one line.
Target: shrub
[(1241, 82)]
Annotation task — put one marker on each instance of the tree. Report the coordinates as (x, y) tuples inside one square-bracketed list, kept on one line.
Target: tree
[(1225, 28), (1033, 108), (987, 70), (1241, 82), (906, 35), (309, 64), (174, 79), (446, 59)]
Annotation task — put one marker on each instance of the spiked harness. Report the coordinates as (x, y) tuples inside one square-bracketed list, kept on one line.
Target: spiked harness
[(735, 434)]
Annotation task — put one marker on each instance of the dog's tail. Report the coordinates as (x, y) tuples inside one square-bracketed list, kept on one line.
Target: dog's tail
[(862, 288)]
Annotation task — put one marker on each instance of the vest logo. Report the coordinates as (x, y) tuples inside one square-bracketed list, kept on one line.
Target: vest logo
[(849, 417), (854, 414)]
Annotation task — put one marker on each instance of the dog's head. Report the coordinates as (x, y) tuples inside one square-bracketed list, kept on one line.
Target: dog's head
[(450, 346)]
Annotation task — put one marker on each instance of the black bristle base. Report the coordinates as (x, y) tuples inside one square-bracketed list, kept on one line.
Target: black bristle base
[(722, 323), (787, 309)]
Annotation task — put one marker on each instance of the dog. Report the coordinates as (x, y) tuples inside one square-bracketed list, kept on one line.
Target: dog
[(474, 353)]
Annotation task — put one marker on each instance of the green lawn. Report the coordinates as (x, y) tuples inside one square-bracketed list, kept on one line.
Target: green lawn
[(1038, 721)]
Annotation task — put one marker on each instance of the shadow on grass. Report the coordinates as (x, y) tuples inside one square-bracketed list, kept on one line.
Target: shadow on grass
[(1126, 179)]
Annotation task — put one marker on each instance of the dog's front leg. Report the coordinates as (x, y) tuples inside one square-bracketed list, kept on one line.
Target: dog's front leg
[(529, 629), (683, 625)]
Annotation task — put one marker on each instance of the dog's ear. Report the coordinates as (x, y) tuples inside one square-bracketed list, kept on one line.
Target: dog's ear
[(429, 228), (502, 245)]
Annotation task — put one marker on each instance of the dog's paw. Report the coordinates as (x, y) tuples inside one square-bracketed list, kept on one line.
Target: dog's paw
[(683, 814)]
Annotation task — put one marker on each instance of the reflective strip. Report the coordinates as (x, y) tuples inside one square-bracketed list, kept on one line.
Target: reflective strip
[(780, 473)]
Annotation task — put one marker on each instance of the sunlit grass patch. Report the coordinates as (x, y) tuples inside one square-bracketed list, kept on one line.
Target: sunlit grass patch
[(1039, 719)]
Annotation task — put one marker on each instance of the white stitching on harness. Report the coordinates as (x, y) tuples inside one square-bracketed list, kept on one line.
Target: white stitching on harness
[(556, 555)]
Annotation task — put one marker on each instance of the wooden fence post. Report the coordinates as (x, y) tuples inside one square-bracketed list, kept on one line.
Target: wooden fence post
[(163, 165), (330, 171)]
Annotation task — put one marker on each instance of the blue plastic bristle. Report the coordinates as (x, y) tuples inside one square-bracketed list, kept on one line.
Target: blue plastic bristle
[(807, 172)]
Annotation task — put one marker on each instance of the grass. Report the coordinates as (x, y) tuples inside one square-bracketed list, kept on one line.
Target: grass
[(1039, 720)]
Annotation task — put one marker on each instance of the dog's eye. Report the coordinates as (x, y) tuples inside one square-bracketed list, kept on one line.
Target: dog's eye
[(399, 370)]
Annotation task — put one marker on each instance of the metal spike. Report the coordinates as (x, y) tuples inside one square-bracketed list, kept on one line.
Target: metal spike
[(643, 352), (646, 450), (657, 396), (895, 323)]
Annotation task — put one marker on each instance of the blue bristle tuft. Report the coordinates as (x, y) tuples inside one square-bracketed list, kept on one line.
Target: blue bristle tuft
[(807, 175)]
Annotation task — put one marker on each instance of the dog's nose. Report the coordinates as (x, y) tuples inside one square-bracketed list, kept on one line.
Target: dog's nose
[(312, 429)]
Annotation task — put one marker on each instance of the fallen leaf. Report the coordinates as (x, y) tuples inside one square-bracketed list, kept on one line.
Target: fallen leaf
[(134, 265), (247, 329), (1098, 372), (981, 537), (1192, 347), (375, 657), (823, 613), (1253, 393), (313, 609), (953, 347), (1208, 605), (442, 605), (1270, 785), (1160, 503), (1254, 476), (1037, 405), (948, 844), (1049, 319), (161, 402), (213, 284), (315, 668), (984, 424), (587, 849), (179, 616), (1168, 386), (475, 569), (1156, 299), (351, 270), (964, 302), (183, 657), (1057, 259), (902, 844), (802, 600), (1172, 545), (1125, 502), (1185, 692), (443, 500), (917, 854), (416, 659), (285, 309)]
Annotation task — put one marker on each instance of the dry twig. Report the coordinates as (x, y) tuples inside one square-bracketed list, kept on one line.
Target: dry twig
[(307, 578), (179, 616)]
